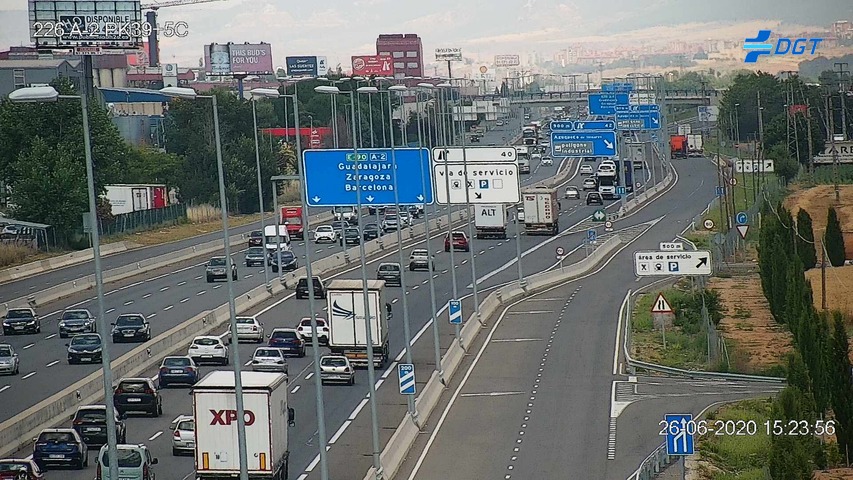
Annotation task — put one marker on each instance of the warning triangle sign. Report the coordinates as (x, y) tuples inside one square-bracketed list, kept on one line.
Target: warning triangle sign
[(742, 229), (661, 305)]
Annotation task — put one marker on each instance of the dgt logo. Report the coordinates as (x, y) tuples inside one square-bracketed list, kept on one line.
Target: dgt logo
[(758, 46), (226, 417)]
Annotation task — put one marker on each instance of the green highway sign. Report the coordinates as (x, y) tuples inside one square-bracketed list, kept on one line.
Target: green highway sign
[(599, 215)]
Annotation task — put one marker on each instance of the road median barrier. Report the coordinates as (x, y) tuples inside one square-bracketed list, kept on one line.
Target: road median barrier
[(12, 274)]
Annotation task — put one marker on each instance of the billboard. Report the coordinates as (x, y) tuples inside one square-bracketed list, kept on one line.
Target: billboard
[(307, 66), (448, 54), (507, 60), (231, 58), (116, 24), (365, 65)]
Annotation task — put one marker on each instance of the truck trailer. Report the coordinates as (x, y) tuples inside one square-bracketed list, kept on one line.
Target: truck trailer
[(347, 329), (267, 417), (490, 221), (291, 217), (678, 146), (694, 145), (541, 210), (128, 198)]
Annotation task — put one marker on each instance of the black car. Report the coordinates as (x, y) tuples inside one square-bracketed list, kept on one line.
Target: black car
[(594, 197), (21, 320), (256, 238), (60, 446), (85, 348), (137, 395), (131, 327), (90, 422), (78, 320), (288, 261), (350, 236), (391, 273), (371, 231), (302, 288), (256, 256), (374, 210)]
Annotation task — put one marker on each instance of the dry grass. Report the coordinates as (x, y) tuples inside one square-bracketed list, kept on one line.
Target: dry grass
[(816, 201), (834, 474), (839, 285), (13, 255)]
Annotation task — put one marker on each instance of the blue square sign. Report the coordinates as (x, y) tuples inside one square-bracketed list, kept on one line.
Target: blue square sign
[(679, 434), (484, 184), (673, 266)]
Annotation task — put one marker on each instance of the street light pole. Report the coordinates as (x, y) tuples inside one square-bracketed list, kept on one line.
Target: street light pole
[(449, 240), (260, 189)]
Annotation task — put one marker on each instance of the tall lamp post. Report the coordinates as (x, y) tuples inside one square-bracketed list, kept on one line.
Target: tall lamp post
[(255, 94), (190, 94), (49, 94)]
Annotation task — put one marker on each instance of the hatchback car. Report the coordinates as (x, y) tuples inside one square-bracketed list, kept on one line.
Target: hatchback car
[(406, 219), (177, 370), (21, 320), (572, 192), (586, 169), (60, 446), (371, 231), (208, 349), (390, 222), (131, 327), (350, 236), (590, 184), (336, 368), (594, 198), (302, 288), (85, 348), (547, 161), (256, 256), (250, 329), (20, 469), (325, 233), (90, 422), (268, 359), (256, 238), (420, 259), (134, 463), (78, 320), (183, 435), (9, 361), (305, 330), (289, 262), (288, 340), (392, 273), (137, 395), (460, 242), (217, 269)]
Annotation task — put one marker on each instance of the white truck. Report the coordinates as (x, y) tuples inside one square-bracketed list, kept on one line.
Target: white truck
[(266, 414), (694, 145), (490, 221), (541, 210), (347, 329), (522, 154)]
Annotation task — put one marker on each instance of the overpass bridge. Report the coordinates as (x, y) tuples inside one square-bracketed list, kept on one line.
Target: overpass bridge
[(545, 99)]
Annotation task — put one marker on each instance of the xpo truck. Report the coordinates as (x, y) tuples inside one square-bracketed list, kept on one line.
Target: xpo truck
[(490, 221), (267, 416), (541, 210), (347, 329)]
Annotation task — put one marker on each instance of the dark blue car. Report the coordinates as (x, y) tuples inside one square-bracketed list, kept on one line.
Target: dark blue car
[(60, 446), (178, 370), (288, 341)]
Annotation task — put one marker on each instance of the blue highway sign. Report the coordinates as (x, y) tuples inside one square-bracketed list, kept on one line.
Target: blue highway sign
[(620, 190), (455, 312), (605, 103), (591, 235), (580, 144), (720, 191), (582, 125), (562, 126), (742, 218), (638, 121), (617, 87), (638, 108), (679, 440), (330, 177), (406, 374)]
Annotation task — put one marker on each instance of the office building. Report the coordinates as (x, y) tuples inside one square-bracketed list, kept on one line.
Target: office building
[(407, 51)]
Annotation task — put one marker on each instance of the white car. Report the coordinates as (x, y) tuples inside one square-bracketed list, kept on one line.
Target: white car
[(249, 328), (520, 214), (208, 349), (572, 192), (547, 161), (183, 435), (499, 123), (269, 359), (304, 330), (590, 184), (406, 219), (586, 169), (606, 169), (336, 368), (325, 233)]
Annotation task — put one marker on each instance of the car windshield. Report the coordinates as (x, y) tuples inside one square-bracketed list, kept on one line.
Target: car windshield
[(286, 255), (186, 425), (419, 253), (56, 437), (127, 458), (458, 235), (255, 251), (75, 315), (5, 351), (246, 320), (92, 416), (325, 228), (216, 262), (306, 322), (14, 467), (283, 334), (19, 314), (133, 386), (267, 352), (333, 362), (390, 218), (339, 224), (352, 231), (176, 362), (389, 268), (130, 321), (371, 226), (256, 234), (207, 342), (83, 340)]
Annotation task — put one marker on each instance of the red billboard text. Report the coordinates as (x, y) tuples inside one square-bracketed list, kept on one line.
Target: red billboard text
[(227, 417), (382, 65)]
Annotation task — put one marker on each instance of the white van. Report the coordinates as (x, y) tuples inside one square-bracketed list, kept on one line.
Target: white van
[(270, 241)]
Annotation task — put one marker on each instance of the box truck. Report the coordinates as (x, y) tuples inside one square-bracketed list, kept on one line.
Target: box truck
[(694, 145), (347, 329), (128, 198), (541, 210), (291, 217), (490, 221), (267, 417), (678, 146)]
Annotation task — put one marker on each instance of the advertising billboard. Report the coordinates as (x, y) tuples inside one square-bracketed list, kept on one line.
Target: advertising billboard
[(448, 54), (115, 24), (365, 65), (233, 58), (307, 66), (507, 60)]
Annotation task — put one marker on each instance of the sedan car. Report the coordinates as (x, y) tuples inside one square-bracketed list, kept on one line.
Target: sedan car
[(250, 329), (85, 348), (336, 368), (371, 231), (350, 236), (288, 340), (586, 169), (590, 184), (177, 370), (208, 348), (420, 259), (390, 222), (131, 327), (268, 359), (325, 233), (9, 361), (547, 161), (406, 219), (137, 395), (90, 421), (572, 192), (392, 273), (256, 256), (302, 288), (340, 225), (288, 261), (183, 435), (60, 446), (460, 242), (217, 269), (19, 468), (256, 238), (21, 320), (78, 320), (594, 197)]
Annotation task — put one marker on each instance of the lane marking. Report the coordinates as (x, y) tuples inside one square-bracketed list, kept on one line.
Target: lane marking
[(308, 377), (196, 278), (296, 389), (50, 336), (164, 289), (146, 295), (152, 315), (4, 388), (358, 409), (183, 283), (28, 375), (201, 292), (110, 310), (185, 300), (340, 432), (53, 363), (153, 437), (29, 346), (507, 340), (395, 300), (168, 308)]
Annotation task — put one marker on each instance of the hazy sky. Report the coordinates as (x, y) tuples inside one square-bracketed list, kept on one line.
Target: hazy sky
[(340, 28)]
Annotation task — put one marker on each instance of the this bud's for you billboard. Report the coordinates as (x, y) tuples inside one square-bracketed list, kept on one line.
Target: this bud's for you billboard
[(365, 65), (249, 58)]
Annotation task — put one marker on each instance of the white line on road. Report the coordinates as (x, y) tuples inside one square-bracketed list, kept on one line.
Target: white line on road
[(53, 363), (152, 315), (146, 295), (28, 375), (358, 409), (4, 388), (491, 394), (183, 283), (110, 310), (153, 437), (217, 286), (129, 302), (340, 432), (201, 292), (50, 336), (29, 346), (168, 308), (296, 389), (308, 377), (185, 300), (425, 282), (196, 278), (395, 300), (164, 289), (313, 463), (305, 475), (506, 340)]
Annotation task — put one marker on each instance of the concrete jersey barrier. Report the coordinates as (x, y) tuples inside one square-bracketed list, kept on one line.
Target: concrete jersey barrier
[(34, 268)]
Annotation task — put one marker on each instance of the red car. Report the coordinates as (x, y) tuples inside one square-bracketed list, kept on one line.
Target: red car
[(256, 238), (460, 242), (18, 469)]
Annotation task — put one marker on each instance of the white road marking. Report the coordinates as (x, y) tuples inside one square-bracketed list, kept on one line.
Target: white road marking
[(28, 375), (340, 432), (129, 302), (152, 315), (201, 292), (358, 409), (146, 295), (308, 377), (4, 388), (196, 278), (153, 437), (110, 310), (53, 363), (164, 289), (183, 283), (313, 463), (506, 340), (395, 300), (29, 346), (168, 308), (50, 336), (217, 286), (185, 300), (296, 389)]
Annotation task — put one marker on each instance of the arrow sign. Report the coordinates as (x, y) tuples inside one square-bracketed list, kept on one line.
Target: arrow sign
[(742, 229), (316, 199), (702, 262), (474, 154), (599, 215), (661, 305)]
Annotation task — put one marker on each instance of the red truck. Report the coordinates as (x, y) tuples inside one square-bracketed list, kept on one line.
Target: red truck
[(678, 146), (292, 218)]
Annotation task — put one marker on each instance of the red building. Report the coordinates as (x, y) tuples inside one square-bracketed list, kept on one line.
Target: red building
[(407, 51)]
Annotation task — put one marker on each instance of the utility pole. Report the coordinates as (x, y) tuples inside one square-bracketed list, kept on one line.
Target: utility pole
[(760, 142), (842, 90), (830, 122), (809, 132), (823, 271)]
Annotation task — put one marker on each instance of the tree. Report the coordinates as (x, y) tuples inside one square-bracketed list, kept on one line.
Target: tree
[(841, 383), (784, 167), (805, 240), (792, 457), (741, 99), (834, 240)]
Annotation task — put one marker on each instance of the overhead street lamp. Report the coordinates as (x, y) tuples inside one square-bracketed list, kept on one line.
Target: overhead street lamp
[(46, 95)]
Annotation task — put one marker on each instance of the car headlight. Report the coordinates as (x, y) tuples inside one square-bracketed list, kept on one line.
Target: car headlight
[(71, 350)]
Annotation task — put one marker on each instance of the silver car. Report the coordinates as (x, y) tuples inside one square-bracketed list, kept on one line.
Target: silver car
[(9, 362), (183, 435), (249, 328), (78, 320), (269, 359), (336, 368)]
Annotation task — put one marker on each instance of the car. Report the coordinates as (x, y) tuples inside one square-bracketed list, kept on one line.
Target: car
[(60, 446), (208, 348), (588, 159), (288, 340), (248, 329), (216, 269), (350, 236), (339, 226), (594, 197), (179, 370), (10, 364), (520, 214), (256, 238), (416, 211), (302, 288), (12, 230), (460, 242), (589, 184), (90, 422), (21, 320), (499, 123), (371, 231), (606, 169), (336, 368), (391, 272), (475, 138), (345, 213), (256, 256), (406, 219), (133, 327), (134, 461), (325, 233), (289, 261), (547, 161), (20, 469), (85, 348), (375, 210), (305, 331), (183, 435), (269, 359), (572, 192), (390, 222), (76, 320), (586, 169), (137, 395), (420, 259)]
